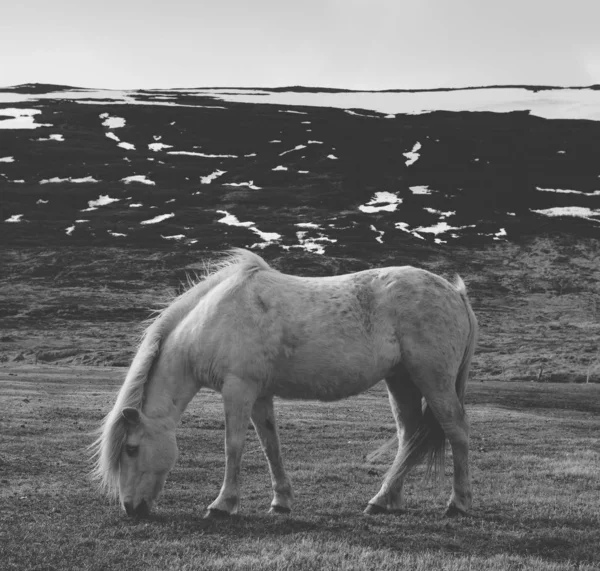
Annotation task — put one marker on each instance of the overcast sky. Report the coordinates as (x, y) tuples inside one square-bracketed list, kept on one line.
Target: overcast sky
[(354, 44)]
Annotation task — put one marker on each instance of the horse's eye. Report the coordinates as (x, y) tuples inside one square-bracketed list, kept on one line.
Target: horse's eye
[(131, 450)]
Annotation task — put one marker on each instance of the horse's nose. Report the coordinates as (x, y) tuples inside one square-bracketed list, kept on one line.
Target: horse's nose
[(142, 510)]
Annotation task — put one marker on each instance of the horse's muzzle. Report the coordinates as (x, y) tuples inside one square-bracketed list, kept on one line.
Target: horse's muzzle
[(142, 510)]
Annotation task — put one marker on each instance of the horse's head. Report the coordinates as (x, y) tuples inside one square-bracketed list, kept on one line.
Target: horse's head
[(147, 456)]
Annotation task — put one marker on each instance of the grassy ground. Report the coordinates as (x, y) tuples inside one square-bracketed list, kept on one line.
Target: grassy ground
[(535, 465)]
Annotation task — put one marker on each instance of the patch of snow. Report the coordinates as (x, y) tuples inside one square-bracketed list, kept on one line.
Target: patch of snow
[(137, 178), (406, 228), (112, 136), (41, 201), (360, 114), (209, 178), (69, 230), (251, 155), (303, 172), (192, 153), (136, 205), (116, 234), (7, 159), (315, 142), (127, 146), (21, 119), (566, 191), (380, 232), (440, 228), (333, 157), (441, 213), (112, 122), (412, 156), (311, 244), (14, 218), (296, 148), (280, 168), (232, 220), (420, 189), (158, 146), (174, 237), (68, 179), (56, 137), (248, 184), (307, 225), (158, 219), (576, 211), (267, 236), (501, 233), (275, 141), (567, 103), (386, 200), (103, 200)]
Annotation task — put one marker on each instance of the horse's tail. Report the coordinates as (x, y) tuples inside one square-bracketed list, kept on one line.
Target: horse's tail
[(429, 440), (465, 365)]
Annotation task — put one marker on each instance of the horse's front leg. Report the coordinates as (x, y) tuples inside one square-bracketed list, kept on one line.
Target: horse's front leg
[(263, 418), (239, 397)]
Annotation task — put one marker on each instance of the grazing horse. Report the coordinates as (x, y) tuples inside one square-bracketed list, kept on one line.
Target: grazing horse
[(252, 333)]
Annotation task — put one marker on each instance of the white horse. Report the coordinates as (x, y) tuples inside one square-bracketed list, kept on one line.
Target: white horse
[(252, 333)]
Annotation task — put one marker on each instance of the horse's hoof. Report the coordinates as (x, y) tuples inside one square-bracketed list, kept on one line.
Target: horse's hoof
[(279, 510), (454, 511), (214, 513), (374, 509)]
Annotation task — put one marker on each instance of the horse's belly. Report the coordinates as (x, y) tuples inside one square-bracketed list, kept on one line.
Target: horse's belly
[(320, 379)]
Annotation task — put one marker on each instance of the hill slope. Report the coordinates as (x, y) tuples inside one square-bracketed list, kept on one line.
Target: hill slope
[(109, 197)]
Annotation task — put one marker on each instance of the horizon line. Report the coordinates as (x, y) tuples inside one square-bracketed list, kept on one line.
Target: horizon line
[(530, 87)]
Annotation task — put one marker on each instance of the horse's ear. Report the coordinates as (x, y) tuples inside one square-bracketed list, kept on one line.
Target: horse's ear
[(131, 416)]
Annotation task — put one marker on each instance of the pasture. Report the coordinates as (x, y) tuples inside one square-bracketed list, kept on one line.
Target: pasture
[(535, 458)]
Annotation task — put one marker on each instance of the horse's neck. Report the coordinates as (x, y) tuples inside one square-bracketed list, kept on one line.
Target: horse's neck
[(169, 388)]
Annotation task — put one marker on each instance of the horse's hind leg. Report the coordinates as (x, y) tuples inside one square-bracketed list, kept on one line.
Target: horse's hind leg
[(451, 416), (405, 400), (263, 418), (239, 397)]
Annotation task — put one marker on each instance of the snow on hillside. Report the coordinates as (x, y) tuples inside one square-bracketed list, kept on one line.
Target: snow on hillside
[(358, 169)]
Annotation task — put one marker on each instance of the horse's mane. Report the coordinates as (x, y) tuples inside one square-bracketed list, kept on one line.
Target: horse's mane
[(238, 264)]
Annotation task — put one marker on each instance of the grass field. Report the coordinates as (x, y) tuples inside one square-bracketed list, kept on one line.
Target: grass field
[(535, 466)]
